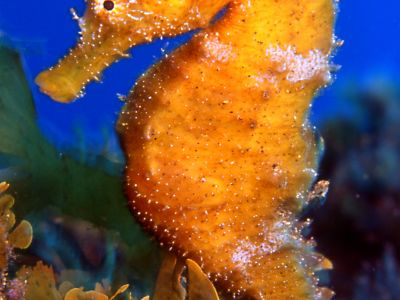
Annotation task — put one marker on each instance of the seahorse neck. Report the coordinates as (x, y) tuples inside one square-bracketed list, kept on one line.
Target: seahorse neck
[(242, 23), (256, 24), (241, 39)]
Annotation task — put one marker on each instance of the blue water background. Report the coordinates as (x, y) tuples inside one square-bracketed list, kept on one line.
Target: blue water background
[(43, 31)]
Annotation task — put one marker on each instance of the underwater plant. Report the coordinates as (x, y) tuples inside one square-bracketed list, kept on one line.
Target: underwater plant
[(220, 156)]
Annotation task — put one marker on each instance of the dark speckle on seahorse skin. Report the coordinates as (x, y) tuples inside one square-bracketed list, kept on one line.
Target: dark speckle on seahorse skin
[(219, 154)]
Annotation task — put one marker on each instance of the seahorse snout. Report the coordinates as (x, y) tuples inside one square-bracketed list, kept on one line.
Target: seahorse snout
[(66, 81)]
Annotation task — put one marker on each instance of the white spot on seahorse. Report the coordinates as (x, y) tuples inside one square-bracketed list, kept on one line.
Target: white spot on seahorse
[(280, 234), (299, 67), (215, 50)]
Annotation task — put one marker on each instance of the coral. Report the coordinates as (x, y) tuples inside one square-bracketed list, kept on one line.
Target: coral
[(18, 237), (219, 153), (11, 237), (40, 283), (97, 294)]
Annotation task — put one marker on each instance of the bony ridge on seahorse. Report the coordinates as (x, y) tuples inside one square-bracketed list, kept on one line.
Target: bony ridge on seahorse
[(219, 154)]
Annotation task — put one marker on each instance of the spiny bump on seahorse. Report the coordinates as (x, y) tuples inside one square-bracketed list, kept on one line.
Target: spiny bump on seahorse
[(219, 153)]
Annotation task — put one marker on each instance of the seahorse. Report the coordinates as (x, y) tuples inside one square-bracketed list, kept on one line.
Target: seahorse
[(219, 153)]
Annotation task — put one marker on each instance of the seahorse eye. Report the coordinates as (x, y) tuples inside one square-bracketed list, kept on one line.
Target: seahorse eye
[(108, 5)]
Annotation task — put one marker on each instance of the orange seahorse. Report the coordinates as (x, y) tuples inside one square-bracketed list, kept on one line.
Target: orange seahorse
[(219, 153)]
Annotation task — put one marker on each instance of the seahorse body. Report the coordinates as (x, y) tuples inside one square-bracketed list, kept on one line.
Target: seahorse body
[(219, 155)]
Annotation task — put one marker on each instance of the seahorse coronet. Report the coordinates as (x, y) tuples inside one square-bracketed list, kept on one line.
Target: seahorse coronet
[(220, 156)]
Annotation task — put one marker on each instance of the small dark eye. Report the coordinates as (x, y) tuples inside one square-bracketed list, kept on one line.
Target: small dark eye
[(109, 5)]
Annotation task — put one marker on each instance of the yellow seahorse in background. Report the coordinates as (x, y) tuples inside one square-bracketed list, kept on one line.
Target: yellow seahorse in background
[(219, 153)]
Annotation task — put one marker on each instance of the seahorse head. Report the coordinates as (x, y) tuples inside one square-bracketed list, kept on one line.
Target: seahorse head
[(110, 27), (139, 20)]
